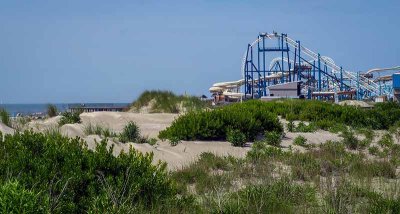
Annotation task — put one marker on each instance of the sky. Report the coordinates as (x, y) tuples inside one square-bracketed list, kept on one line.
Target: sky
[(111, 51)]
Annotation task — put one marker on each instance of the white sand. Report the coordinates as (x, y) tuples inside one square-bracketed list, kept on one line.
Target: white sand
[(43, 125), (5, 129)]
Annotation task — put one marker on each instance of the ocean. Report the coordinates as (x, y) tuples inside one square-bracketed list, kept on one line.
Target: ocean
[(29, 109)]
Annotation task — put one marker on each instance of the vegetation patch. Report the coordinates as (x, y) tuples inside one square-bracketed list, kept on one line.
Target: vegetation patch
[(300, 141), (98, 129), (69, 118), (250, 118), (60, 175), (5, 117), (52, 110), (273, 138), (236, 138), (327, 115), (167, 102)]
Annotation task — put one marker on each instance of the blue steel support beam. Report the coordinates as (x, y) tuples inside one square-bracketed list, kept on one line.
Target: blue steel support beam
[(341, 82), (319, 72), (298, 71), (314, 79), (258, 67), (264, 82), (294, 66), (287, 55), (252, 73), (358, 85), (282, 67)]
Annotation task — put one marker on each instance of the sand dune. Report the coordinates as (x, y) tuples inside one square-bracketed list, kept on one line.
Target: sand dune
[(150, 125), (5, 129)]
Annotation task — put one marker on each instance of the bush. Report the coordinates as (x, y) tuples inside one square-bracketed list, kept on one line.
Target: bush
[(250, 118), (5, 117), (386, 141), (174, 141), (273, 138), (52, 110), (350, 140), (152, 141), (14, 198), (76, 178), (382, 116), (131, 133), (302, 127), (236, 138), (300, 141), (70, 118)]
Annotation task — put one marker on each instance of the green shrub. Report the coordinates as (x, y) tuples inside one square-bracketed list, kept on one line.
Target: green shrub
[(350, 140), (236, 138), (74, 177), (70, 118), (373, 150), (382, 116), (273, 138), (386, 141), (14, 198), (131, 133), (5, 117), (152, 141), (174, 141), (250, 118), (300, 141), (302, 127), (52, 110)]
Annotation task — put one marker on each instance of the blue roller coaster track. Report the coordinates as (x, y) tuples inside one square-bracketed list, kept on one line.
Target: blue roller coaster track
[(293, 62)]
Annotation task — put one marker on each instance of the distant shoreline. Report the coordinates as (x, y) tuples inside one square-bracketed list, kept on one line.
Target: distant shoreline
[(30, 109)]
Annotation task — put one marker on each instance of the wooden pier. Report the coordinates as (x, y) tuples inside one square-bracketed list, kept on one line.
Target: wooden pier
[(83, 108)]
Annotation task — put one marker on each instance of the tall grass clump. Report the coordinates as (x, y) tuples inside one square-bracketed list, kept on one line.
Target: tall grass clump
[(61, 175), (300, 141), (52, 110), (70, 118), (98, 129), (5, 117), (273, 138), (250, 118), (236, 138), (282, 196), (167, 102), (131, 133)]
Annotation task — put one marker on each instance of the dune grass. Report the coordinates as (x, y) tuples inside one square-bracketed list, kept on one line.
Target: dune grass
[(52, 110), (5, 117), (167, 102), (98, 129)]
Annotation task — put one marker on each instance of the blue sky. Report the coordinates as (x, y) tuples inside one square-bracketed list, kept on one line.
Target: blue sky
[(110, 51)]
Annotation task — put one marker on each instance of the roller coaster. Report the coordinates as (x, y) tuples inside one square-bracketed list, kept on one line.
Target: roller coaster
[(287, 61)]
